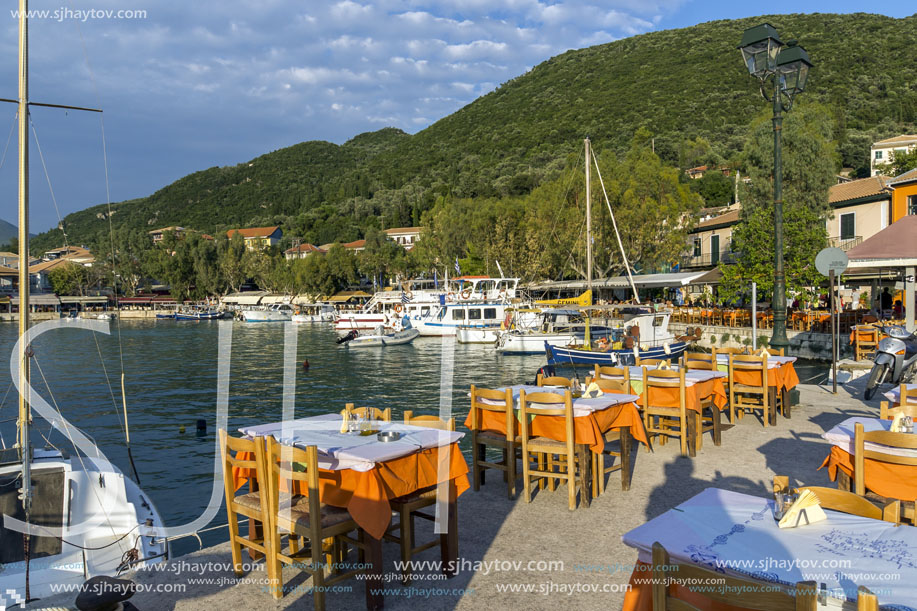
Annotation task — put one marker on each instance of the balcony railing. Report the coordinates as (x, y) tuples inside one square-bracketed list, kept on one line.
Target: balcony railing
[(844, 243), (708, 260)]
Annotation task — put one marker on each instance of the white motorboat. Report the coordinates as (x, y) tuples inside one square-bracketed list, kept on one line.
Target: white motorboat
[(556, 326), (470, 315), (78, 517), (419, 299), (280, 312), (310, 313), (405, 336), (478, 335)]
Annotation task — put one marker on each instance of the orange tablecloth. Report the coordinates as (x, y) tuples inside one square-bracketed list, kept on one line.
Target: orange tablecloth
[(783, 377), (366, 494), (587, 430), (694, 394), (640, 596), (885, 479)]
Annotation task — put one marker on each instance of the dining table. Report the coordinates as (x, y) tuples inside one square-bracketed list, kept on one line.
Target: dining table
[(885, 479), (362, 474), (736, 534), (894, 395), (593, 417)]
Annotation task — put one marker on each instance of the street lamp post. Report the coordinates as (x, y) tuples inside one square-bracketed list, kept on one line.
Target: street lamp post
[(783, 70)]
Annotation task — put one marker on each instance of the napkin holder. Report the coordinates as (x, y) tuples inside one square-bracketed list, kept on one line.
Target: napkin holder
[(592, 391), (806, 510)]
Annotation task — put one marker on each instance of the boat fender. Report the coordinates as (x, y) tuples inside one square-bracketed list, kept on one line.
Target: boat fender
[(644, 347), (466, 294), (305, 364), (181, 429), (667, 349), (409, 295)]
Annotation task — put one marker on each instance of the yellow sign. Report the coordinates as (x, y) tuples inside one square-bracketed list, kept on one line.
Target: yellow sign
[(583, 300)]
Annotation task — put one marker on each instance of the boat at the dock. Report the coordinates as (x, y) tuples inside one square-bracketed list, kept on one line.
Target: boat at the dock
[(314, 312), (555, 327), (198, 315), (276, 313), (379, 338), (67, 517), (418, 299)]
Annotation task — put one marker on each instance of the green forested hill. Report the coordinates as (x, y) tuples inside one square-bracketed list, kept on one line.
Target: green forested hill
[(680, 84)]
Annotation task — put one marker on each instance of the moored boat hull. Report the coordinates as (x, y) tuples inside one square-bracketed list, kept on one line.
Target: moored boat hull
[(566, 356)]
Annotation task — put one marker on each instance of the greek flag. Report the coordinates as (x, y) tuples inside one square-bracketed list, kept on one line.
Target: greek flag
[(458, 270), (404, 298)]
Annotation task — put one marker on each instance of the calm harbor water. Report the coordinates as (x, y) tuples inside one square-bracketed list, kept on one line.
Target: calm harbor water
[(171, 381)]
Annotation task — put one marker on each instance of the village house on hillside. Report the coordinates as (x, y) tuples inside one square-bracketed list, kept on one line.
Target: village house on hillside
[(159, 234), (302, 251), (258, 238), (405, 236), (883, 152)]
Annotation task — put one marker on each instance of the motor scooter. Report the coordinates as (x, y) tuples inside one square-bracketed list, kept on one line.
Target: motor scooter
[(895, 360)]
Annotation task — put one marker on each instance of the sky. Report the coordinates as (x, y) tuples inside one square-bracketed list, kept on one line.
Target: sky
[(188, 86)]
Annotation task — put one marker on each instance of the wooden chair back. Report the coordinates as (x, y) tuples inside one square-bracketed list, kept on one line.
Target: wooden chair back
[(700, 360), (907, 397), (371, 413), (652, 410), (611, 373), (429, 421), (652, 362), (729, 351), (613, 386), (231, 448), (560, 381), (751, 396), (884, 438), (843, 501), (500, 401), (886, 412), (773, 351), (730, 590)]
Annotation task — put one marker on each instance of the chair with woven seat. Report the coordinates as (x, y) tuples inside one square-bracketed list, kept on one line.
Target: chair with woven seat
[(748, 396), (371, 413), (496, 403), (843, 501), (243, 453), (734, 591), (408, 507), (547, 404), (659, 420), (304, 516), (558, 381)]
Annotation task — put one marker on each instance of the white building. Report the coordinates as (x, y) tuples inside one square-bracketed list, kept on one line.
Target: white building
[(405, 236), (883, 151)]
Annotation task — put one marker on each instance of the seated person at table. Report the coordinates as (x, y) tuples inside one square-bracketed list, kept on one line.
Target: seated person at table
[(602, 344), (898, 310)]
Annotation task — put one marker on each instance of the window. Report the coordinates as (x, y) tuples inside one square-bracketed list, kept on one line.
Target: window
[(458, 314), (912, 204), (490, 313), (848, 226), (697, 249), (714, 249), (424, 310), (878, 155), (474, 314)]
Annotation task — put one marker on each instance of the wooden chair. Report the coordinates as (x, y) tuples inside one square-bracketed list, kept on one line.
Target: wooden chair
[(907, 397), (429, 421), (559, 381), (885, 438), (499, 402), (534, 404), (865, 341), (843, 501), (888, 413), (253, 505), (599, 470), (729, 351), (734, 591), (659, 420), (372, 413), (700, 360), (652, 362), (866, 600), (295, 515), (408, 507), (772, 351), (611, 373), (748, 396)]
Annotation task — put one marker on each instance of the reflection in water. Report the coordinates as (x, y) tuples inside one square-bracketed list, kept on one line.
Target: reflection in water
[(170, 370)]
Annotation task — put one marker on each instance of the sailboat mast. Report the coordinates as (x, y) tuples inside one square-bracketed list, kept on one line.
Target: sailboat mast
[(25, 416), (588, 217)]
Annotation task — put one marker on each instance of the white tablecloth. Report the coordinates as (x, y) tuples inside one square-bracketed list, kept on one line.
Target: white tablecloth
[(581, 407), (737, 534), (691, 377), (351, 450), (894, 395), (842, 436), (773, 362)]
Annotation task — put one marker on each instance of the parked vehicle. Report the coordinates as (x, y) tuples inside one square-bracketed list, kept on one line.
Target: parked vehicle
[(895, 360)]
